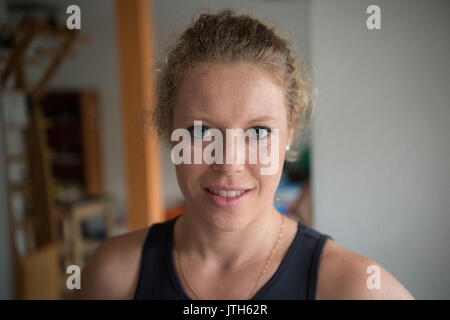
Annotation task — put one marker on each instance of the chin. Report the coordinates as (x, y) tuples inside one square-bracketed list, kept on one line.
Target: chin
[(227, 220)]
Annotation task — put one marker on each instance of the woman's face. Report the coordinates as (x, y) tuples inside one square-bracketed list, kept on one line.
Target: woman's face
[(230, 96)]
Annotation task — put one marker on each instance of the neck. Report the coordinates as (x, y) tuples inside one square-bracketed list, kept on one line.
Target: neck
[(227, 249)]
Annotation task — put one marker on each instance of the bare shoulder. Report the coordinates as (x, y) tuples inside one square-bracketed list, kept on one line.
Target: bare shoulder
[(113, 270), (344, 274)]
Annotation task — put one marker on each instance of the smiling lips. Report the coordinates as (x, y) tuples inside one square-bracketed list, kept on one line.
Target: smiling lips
[(227, 196)]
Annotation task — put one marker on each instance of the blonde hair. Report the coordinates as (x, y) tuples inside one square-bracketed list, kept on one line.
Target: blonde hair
[(225, 37)]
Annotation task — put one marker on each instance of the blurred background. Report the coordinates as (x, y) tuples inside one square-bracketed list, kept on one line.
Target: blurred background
[(79, 161)]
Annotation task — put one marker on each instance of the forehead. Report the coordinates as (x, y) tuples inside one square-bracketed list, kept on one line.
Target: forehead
[(229, 94)]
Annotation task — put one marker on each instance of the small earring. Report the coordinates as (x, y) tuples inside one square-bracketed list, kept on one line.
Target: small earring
[(288, 148)]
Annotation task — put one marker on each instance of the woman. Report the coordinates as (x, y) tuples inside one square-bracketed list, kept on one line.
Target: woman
[(232, 72)]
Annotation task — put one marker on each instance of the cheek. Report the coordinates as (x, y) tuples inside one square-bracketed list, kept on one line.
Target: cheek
[(267, 184), (188, 177)]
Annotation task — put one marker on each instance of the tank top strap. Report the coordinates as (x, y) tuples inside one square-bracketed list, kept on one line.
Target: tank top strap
[(296, 277), (155, 282), (317, 245)]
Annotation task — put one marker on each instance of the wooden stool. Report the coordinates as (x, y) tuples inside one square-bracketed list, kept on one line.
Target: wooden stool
[(76, 246)]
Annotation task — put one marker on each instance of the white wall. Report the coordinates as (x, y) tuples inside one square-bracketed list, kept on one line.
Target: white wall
[(171, 17), (381, 139)]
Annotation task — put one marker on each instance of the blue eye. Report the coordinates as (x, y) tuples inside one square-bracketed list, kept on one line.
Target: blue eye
[(259, 132), (199, 131)]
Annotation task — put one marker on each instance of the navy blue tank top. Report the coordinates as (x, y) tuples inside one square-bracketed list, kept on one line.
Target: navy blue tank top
[(295, 278)]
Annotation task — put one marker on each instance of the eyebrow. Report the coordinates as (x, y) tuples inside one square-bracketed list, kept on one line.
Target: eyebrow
[(265, 118), (260, 119)]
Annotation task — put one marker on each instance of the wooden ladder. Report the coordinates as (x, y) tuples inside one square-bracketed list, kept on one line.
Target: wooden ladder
[(43, 219)]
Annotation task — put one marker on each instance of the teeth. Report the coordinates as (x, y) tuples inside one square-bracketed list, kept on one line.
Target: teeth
[(227, 194)]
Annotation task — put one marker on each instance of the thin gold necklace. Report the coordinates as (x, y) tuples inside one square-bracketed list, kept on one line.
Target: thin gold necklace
[(269, 259)]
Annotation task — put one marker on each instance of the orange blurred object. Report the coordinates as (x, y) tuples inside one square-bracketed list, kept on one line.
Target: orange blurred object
[(175, 211)]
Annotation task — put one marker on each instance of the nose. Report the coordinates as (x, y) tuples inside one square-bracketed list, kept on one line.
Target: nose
[(228, 169), (233, 157)]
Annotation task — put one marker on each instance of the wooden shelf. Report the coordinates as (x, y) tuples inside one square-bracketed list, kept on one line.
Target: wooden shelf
[(16, 158), (24, 222), (19, 188)]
